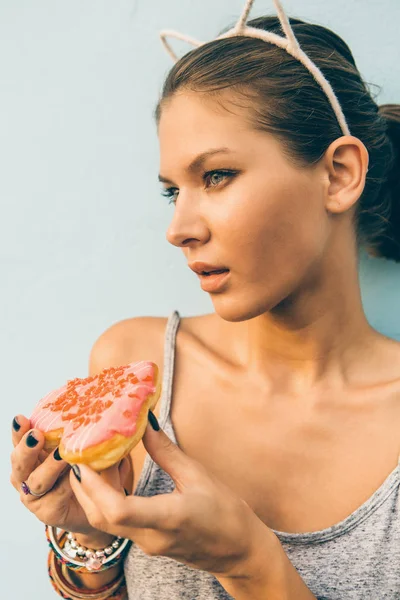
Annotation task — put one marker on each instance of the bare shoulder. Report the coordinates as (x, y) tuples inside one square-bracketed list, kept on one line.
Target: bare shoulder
[(386, 361), (142, 338), (128, 340)]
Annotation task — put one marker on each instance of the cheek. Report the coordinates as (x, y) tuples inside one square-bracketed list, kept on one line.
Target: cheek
[(278, 233)]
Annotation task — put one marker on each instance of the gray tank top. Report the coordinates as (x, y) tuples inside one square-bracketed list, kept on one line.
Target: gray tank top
[(356, 559)]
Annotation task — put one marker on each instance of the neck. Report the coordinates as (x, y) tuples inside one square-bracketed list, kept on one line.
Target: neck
[(319, 333)]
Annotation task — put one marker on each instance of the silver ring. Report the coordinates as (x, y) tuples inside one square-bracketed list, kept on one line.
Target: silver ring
[(27, 490)]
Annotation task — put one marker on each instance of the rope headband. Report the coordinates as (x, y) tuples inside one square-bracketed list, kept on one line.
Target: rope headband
[(288, 43)]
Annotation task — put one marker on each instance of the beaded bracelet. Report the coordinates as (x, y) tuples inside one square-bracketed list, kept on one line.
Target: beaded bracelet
[(91, 560), (115, 590)]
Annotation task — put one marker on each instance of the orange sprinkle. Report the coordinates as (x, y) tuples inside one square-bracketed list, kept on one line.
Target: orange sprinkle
[(77, 423)]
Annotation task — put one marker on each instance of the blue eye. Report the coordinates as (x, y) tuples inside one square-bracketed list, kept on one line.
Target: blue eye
[(172, 192), (211, 174)]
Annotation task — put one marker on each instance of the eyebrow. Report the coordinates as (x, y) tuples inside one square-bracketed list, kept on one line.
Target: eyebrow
[(198, 162)]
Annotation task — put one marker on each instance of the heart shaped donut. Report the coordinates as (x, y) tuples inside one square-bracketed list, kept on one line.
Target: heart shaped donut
[(99, 419)]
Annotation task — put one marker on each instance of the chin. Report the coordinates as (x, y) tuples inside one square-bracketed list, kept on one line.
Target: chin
[(239, 310)]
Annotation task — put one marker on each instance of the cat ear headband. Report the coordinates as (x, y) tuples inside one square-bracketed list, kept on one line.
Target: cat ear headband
[(288, 43)]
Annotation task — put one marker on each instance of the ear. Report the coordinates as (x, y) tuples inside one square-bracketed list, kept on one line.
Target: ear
[(346, 162)]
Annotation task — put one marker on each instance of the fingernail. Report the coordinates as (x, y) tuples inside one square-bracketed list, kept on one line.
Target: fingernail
[(77, 472), (56, 454), (31, 441), (126, 492), (153, 421), (15, 424)]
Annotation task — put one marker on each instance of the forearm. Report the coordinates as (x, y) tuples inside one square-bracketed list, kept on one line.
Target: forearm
[(93, 581), (268, 575)]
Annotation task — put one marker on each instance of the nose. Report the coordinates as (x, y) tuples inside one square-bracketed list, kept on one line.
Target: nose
[(188, 226)]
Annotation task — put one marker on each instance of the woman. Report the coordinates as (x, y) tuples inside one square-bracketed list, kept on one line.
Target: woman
[(275, 405)]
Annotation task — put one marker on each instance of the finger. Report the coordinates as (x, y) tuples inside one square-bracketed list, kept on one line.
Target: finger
[(112, 476), (88, 498), (20, 425), (126, 474), (183, 469), (114, 509), (45, 476), (24, 457)]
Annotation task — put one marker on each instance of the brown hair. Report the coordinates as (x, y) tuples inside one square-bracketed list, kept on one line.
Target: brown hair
[(283, 98)]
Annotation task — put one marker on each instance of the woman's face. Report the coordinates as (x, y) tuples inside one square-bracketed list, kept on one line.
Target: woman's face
[(245, 208)]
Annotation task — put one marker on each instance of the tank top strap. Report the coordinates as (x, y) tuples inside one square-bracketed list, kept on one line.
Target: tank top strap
[(169, 361)]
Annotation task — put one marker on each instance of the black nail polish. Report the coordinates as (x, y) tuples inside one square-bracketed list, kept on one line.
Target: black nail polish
[(77, 472), (15, 424), (126, 492), (153, 421), (31, 441), (56, 454)]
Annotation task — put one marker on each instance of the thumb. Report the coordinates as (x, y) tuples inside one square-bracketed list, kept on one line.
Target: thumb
[(168, 455)]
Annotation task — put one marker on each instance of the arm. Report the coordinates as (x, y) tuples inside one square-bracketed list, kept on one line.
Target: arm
[(108, 350), (268, 574), (202, 524)]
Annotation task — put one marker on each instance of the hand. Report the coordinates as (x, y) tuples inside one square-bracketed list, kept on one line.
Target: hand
[(42, 471), (201, 523)]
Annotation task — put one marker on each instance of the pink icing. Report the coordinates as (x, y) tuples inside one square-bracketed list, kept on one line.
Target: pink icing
[(118, 407)]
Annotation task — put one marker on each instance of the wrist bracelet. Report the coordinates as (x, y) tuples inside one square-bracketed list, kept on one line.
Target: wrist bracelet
[(115, 590), (82, 559), (93, 558)]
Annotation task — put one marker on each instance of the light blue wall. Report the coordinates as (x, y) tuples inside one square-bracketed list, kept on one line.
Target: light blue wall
[(82, 228)]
